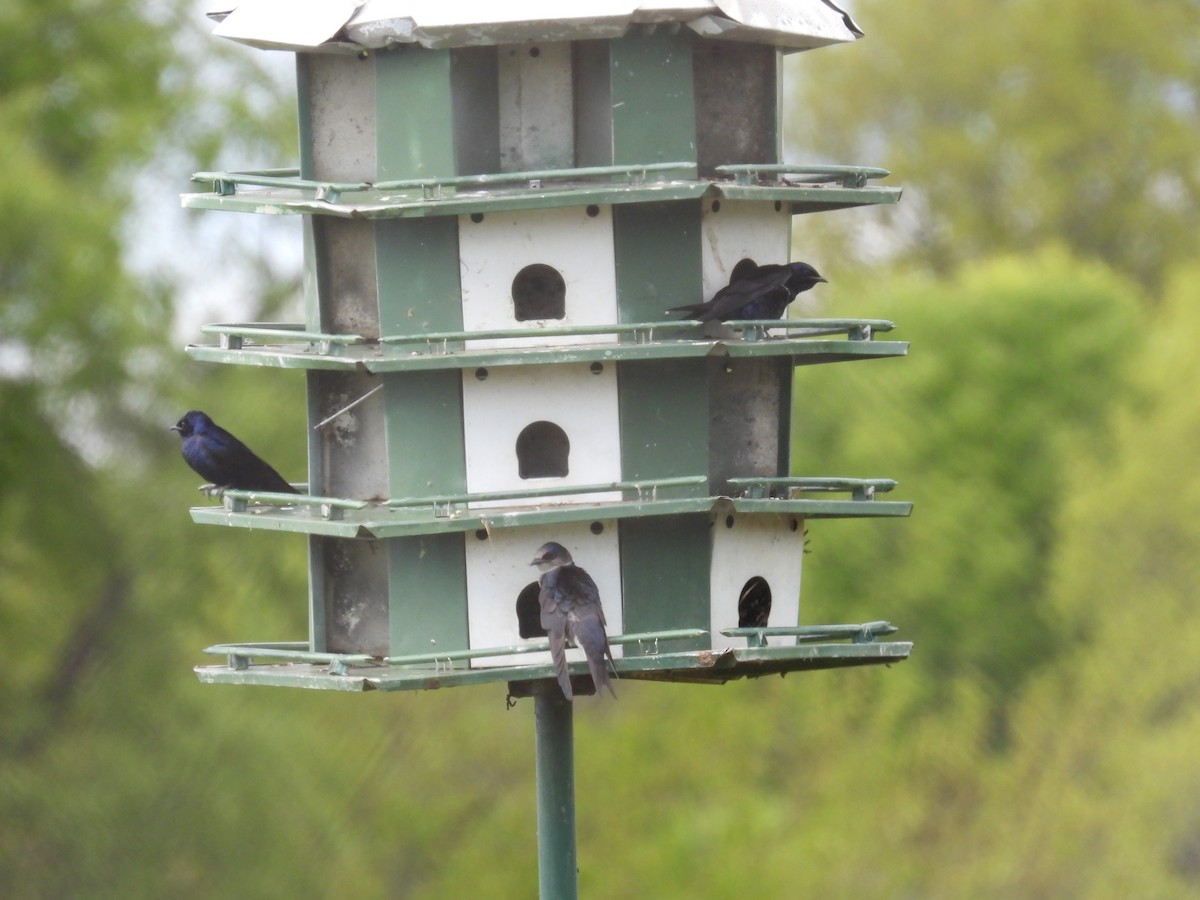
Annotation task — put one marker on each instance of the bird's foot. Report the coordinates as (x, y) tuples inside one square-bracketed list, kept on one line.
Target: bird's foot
[(212, 491)]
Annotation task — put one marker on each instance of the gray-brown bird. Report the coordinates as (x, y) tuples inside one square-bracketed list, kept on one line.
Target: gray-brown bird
[(572, 615)]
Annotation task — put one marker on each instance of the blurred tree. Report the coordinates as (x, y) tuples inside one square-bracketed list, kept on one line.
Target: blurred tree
[(1020, 362), (73, 325), (1098, 797), (120, 776), (88, 94), (1009, 125)]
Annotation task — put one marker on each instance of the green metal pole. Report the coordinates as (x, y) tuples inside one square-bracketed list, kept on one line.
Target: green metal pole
[(553, 717)]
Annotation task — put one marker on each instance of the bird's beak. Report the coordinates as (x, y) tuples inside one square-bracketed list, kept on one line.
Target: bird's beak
[(819, 278), (173, 428)]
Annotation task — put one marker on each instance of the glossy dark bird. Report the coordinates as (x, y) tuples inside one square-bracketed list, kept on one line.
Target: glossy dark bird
[(754, 604), (755, 292), (572, 615), (219, 457)]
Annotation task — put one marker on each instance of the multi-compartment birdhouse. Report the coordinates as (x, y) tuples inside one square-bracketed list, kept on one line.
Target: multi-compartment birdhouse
[(498, 213)]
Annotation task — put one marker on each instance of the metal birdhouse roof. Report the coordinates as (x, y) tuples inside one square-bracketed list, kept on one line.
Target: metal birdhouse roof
[(375, 24)]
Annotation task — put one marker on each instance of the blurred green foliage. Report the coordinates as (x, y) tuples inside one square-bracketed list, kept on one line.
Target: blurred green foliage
[(1040, 742), (1012, 125)]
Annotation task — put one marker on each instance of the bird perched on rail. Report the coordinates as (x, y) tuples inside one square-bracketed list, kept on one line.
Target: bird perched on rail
[(755, 292), (571, 614), (218, 456)]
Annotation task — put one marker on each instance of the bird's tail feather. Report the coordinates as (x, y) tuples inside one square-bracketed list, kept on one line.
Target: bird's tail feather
[(561, 672), (598, 666)]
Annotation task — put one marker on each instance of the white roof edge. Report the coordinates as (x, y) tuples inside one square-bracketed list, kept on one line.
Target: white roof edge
[(375, 24)]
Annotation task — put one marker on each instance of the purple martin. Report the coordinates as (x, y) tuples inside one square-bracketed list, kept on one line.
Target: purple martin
[(755, 292), (754, 605), (218, 456), (571, 614)]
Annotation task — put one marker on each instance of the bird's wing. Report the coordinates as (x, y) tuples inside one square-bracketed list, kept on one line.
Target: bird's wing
[(554, 620), (729, 302), (243, 468), (585, 623), (214, 454)]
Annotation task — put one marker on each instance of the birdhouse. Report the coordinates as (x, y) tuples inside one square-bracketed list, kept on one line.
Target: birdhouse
[(499, 210)]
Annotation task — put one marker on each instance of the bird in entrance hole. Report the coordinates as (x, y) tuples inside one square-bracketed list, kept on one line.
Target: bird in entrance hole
[(754, 604), (572, 615), (755, 292), (218, 456)]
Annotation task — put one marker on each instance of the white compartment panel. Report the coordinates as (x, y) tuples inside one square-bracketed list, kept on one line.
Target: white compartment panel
[(498, 570)]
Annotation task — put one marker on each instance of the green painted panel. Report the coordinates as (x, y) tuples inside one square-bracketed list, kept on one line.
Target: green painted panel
[(312, 309), (653, 102), (316, 597), (664, 577), (657, 248), (304, 113), (428, 586), (415, 113), (417, 265), (664, 420), (425, 434)]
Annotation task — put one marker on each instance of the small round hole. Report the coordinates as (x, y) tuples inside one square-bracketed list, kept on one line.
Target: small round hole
[(476, 218), (597, 528), (539, 292), (729, 521), (593, 211), (716, 207), (597, 368), (778, 205), (481, 374), (794, 524), (481, 534), (535, 52)]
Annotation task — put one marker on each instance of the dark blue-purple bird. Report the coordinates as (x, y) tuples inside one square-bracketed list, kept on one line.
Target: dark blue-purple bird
[(571, 614), (219, 457), (755, 292)]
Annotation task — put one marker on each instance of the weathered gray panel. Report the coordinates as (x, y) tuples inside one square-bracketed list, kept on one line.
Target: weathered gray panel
[(346, 275), (355, 579), (475, 85), (593, 105), (746, 397), (351, 450), (736, 103), (340, 117), (537, 119)]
